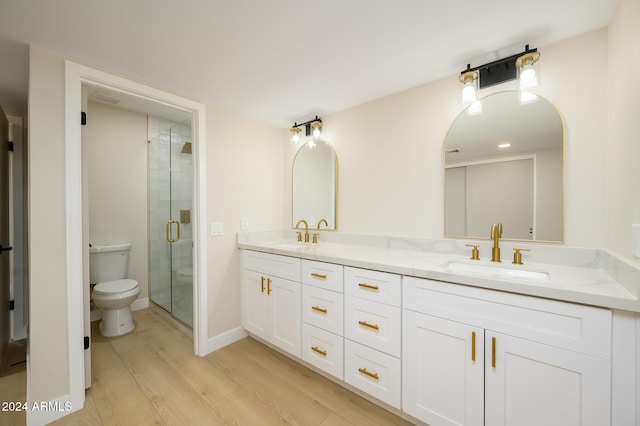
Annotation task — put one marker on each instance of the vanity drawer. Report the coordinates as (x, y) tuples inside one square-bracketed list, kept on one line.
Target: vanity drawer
[(373, 324), (323, 275), (272, 264), (323, 309), (373, 372), (580, 328), (323, 350), (378, 286)]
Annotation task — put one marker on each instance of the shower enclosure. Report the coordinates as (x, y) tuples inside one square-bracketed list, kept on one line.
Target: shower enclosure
[(170, 205)]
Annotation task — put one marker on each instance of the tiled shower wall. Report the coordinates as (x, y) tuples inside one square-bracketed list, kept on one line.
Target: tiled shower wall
[(170, 192)]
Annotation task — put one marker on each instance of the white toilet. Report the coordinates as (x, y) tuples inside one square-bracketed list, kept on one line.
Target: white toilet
[(113, 292)]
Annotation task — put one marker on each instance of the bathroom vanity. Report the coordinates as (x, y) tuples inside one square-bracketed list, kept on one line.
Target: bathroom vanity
[(421, 329)]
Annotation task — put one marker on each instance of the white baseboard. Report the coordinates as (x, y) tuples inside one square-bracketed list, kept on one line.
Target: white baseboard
[(226, 338), (138, 304)]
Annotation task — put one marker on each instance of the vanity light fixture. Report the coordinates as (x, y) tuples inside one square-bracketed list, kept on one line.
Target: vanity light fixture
[(469, 79), (506, 69), (295, 130), (311, 127), (527, 72)]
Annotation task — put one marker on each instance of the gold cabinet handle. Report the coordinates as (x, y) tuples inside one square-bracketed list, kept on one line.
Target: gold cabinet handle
[(268, 285), (473, 346), (262, 284), (369, 286), (319, 309), (493, 352), (321, 276), (366, 324), (167, 227), (369, 373), (320, 351)]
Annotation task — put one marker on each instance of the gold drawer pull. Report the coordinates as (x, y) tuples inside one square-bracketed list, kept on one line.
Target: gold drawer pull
[(262, 284), (319, 309), (368, 373), (369, 286), (320, 351), (321, 276), (366, 324), (493, 352), (268, 286), (473, 346)]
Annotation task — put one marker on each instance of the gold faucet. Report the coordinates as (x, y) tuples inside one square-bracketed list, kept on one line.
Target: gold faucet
[(315, 235), (306, 229), (496, 234)]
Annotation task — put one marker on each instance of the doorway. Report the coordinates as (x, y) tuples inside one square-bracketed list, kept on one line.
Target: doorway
[(76, 76)]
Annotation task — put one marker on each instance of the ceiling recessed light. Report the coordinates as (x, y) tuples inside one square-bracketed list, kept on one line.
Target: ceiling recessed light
[(504, 145)]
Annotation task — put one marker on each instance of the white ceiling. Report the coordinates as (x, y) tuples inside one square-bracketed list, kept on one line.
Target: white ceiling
[(281, 61)]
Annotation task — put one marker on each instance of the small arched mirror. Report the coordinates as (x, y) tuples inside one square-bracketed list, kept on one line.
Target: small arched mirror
[(315, 182), (504, 158)]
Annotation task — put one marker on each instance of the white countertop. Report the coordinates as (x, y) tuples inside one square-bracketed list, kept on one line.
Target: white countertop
[(570, 274)]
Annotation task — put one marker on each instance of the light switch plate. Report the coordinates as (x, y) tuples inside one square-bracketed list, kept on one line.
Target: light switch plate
[(245, 223), (217, 229)]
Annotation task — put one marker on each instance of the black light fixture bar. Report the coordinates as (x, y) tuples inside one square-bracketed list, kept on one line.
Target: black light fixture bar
[(499, 71), (307, 125)]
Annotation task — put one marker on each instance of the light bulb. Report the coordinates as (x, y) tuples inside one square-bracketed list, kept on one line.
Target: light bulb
[(528, 78), (317, 129), (468, 93), (295, 138)]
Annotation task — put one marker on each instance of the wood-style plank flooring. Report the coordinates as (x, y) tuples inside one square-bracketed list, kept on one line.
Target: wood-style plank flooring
[(150, 376)]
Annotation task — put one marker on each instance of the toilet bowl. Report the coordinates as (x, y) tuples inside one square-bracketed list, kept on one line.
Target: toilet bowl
[(113, 293), (115, 298)]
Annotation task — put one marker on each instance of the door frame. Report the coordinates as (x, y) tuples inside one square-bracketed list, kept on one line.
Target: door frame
[(77, 75)]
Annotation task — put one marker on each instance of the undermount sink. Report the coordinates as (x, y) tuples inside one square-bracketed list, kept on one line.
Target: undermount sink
[(291, 244), (496, 270)]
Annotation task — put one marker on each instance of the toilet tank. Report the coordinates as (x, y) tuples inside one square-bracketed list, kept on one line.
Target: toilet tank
[(108, 262)]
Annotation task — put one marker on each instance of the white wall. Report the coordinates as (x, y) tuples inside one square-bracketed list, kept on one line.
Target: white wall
[(48, 357), (245, 179), (624, 129), (390, 151), (117, 144)]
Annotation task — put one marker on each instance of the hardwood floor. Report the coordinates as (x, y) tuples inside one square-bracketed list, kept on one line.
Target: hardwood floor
[(150, 376)]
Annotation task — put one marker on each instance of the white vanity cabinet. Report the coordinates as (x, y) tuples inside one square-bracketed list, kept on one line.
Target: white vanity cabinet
[(271, 299), (473, 356), (322, 316), (373, 332)]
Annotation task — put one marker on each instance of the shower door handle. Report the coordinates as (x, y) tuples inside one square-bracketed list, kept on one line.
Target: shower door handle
[(167, 228)]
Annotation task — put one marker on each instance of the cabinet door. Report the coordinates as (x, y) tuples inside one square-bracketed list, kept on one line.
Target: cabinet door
[(256, 306), (443, 375), (284, 314), (534, 384)]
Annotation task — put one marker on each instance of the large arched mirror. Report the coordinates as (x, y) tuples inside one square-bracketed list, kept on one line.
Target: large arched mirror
[(504, 159), (315, 182)]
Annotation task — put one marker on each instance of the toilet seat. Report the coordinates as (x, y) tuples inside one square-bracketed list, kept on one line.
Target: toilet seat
[(115, 287)]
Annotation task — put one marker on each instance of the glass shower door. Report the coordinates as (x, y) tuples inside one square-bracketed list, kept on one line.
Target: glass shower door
[(170, 230)]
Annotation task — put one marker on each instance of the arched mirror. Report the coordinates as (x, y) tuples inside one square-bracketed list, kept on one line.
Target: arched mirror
[(315, 182), (504, 160)]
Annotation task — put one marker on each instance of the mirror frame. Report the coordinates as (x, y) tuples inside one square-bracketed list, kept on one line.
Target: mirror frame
[(335, 187), (563, 185)]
